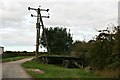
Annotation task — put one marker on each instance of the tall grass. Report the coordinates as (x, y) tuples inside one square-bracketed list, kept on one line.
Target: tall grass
[(108, 73)]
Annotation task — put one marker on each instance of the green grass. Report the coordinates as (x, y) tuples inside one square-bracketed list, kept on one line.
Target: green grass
[(53, 71), (13, 58)]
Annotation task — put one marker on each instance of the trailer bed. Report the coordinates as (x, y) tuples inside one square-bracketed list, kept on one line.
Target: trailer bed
[(66, 61)]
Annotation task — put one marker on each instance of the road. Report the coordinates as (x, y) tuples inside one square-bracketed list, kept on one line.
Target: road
[(14, 69)]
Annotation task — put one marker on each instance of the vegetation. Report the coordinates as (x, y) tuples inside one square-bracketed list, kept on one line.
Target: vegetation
[(102, 53), (9, 54), (58, 40), (53, 71), (80, 49)]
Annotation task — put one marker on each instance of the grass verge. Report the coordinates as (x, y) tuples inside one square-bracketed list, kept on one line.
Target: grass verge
[(53, 71)]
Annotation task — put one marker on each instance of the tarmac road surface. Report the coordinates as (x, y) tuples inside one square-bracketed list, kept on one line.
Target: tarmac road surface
[(14, 69)]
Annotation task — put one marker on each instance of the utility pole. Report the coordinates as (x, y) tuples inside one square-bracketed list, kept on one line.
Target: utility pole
[(38, 26)]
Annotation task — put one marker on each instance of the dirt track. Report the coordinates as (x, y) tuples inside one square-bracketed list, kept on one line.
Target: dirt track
[(14, 69)]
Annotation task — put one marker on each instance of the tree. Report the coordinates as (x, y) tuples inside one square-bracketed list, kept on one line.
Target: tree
[(80, 49), (58, 40), (103, 52), (117, 39)]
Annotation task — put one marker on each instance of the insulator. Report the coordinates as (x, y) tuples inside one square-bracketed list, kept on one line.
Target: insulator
[(47, 10), (28, 8)]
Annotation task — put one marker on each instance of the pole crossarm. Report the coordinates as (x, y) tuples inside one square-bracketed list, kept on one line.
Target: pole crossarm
[(39, 16), (29, 8), (45, 16), (44, 10)]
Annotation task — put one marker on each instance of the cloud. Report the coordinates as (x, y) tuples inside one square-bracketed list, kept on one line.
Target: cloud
[(81, 16), (78, 13)]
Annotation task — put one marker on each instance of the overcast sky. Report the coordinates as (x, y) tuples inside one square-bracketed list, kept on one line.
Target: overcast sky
[(83, 17)]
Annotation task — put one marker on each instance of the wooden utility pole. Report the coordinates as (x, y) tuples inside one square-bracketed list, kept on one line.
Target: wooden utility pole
[(38, 26)]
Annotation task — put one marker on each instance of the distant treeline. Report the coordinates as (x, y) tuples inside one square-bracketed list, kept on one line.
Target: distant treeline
[(8, 54), (18, 52)]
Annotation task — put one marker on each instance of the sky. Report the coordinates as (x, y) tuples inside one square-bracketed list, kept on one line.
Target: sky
[(82, 17)]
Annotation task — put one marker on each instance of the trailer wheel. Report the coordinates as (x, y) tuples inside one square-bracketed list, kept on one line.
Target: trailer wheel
[(43, 60), (46, 60), (66, 63)]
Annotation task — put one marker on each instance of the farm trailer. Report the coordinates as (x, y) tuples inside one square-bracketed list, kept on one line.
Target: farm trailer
[(66, 61)]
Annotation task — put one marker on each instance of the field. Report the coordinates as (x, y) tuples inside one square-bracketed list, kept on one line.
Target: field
[(13, 58), (54, 71)]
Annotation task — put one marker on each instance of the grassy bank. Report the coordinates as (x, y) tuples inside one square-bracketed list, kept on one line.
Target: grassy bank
[(108, 73), (13, 58), (53, 71)]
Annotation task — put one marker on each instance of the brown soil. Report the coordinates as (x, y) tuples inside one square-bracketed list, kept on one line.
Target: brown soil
[(38, 71)]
